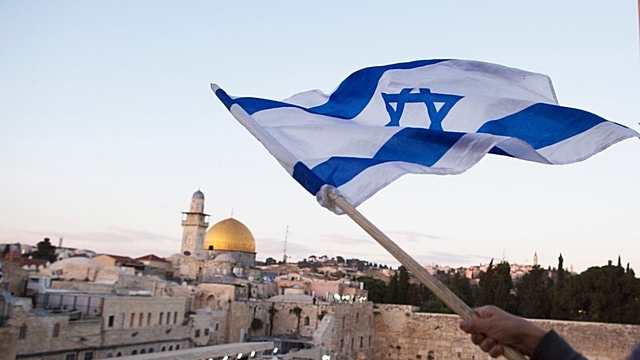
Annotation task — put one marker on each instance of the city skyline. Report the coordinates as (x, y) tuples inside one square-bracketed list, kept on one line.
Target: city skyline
[(108, 126)]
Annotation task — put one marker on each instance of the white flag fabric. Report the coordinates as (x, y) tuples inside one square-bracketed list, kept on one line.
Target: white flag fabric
[(421, 117)]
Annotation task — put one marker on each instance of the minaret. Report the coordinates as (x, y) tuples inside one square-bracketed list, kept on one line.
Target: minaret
[(194, 226), (535, 258)]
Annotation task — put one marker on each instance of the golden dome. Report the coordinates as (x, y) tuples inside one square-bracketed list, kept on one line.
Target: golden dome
[(230, 235)]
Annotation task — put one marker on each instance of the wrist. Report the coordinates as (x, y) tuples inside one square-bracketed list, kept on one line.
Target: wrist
[(531, 337)]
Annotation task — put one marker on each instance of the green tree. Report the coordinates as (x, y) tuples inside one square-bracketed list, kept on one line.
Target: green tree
[(458, 284), (392, 290), (532, 294), (403, 286), (377, 288), (496, 286), (560, 308), (45, 251), (601, 294)]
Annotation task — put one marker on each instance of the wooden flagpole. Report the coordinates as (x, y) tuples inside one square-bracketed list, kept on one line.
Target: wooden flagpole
[(432, 283)]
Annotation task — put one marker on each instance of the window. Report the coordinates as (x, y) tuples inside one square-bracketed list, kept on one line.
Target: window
[(149, 319), (175, 317), (217, 326), (168, 318), (178, 347), (163, 348), (110, 321), (134, 352), (160, 319), (56, 330), (22, 333), (170, 347), (143, 351), (197, 333), (206, 331), (306, 321), (357, 317), (132, 320), (121, 320), (360, 342), (150, 350), (109, 355), (140, 319), (119, 354), (70, 357), (88, 355)]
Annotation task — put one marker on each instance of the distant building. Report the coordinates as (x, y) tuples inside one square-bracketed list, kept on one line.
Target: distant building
[(153, 261), (107, 260)]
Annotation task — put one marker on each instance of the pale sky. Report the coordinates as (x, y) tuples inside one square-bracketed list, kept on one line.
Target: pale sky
[(108, 126)]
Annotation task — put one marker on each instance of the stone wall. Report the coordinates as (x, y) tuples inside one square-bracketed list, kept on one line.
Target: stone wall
[(354, 333), (14, 278), (8, 338), (402, 334)]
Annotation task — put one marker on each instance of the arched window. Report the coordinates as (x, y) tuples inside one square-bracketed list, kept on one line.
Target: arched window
[(178, 347), (164, 348), (170, 347), (109, 355), (118, 354), (143, 351), (306, 321), (150, 350), (134, 352)]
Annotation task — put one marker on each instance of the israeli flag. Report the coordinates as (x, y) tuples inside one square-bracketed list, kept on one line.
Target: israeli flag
[(421, 117)]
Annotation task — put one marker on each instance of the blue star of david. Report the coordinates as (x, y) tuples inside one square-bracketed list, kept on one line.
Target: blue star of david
[(424, 96)]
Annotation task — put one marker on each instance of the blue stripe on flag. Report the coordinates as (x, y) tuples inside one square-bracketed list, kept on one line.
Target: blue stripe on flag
[(411, 145), (307, 178), (349, 99), (355, 92), (542, 125), (226, 99)]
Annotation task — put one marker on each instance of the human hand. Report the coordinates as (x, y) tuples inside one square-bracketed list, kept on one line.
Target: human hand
[(495, 327)]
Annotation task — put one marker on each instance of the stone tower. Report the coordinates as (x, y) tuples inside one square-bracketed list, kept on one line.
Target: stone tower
[(194, 226)]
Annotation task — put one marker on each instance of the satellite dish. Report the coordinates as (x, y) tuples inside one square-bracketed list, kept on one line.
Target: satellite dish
[(187, 253), (336, 296)]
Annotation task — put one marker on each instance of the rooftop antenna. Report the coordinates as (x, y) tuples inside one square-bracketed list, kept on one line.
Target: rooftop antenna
[(284, 251)]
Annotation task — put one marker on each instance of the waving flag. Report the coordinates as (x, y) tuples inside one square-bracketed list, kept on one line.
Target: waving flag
[(422, 117)]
